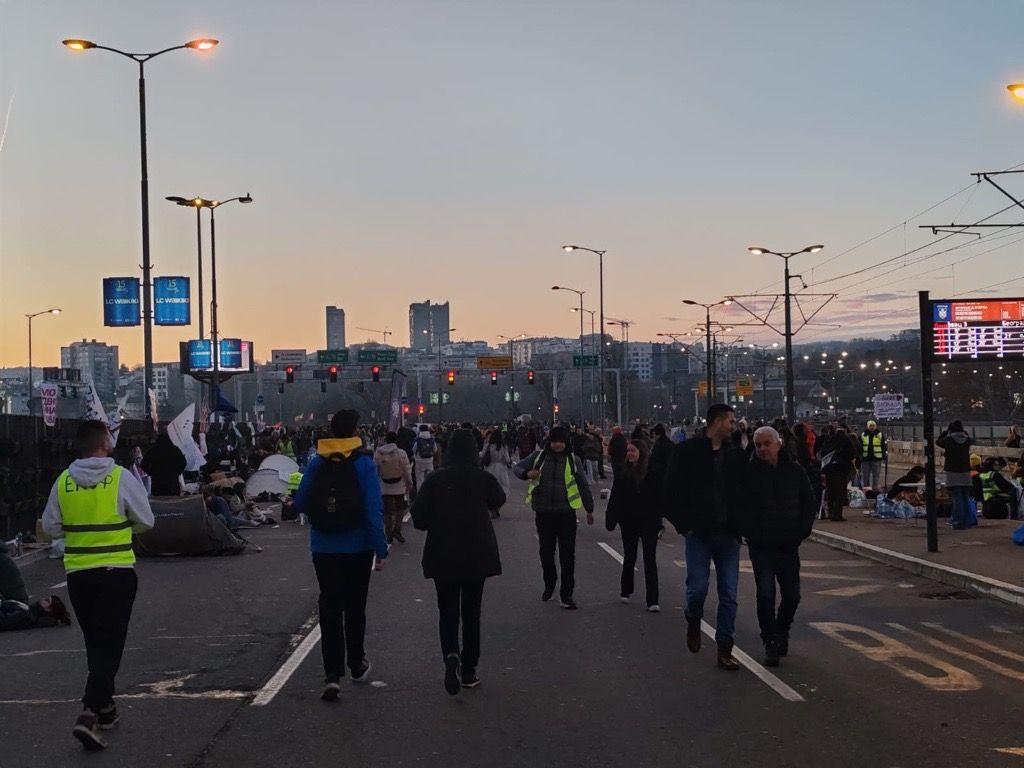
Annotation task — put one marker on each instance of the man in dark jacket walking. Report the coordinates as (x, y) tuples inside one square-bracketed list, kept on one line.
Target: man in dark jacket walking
[(700, 501), (776, 515), (558, 488), (837, 458)]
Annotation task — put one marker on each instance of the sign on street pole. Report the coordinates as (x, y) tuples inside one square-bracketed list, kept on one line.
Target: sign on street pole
[(888, 405), (702, 388), (744, 386), (287, 356), (494, 363), (584, 361), (327, 356), (378, 356)]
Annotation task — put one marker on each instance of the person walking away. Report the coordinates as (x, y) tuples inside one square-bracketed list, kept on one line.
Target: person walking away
[(495, 459), (776, 514), (423, 451), (527, 442), (340, 494), (454, 506), (700, 501), (557, 489), (616, 449), (164, 463), (95, 505), (633, 507), (872, 454), (956, 445), (836, 464), (592, 454), (395, 482)]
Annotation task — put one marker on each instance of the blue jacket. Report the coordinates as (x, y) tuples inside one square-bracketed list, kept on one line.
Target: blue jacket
[(369, 537)]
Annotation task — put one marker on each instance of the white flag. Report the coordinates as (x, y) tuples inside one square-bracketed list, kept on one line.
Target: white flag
[(180, 432)]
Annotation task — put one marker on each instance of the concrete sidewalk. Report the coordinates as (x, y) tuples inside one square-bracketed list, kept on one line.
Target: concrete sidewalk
[(983, 559)]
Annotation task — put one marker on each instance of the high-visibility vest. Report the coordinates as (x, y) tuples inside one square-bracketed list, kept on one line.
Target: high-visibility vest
[(96, 534), (572, 490), (294, 480), (989, 489), (871, 445), (287, 450)]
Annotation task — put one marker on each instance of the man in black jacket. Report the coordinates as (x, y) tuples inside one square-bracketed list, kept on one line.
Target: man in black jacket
[(700, 501), (837, 457), (776, 515)]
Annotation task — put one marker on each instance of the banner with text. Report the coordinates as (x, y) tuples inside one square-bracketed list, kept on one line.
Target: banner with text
[(171, 301), (121, 306)]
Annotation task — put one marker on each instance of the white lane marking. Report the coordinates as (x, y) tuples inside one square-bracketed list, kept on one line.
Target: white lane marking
[(267, 693), (407, 518), (974, 641), (855, 591), (759, 671), (59, 585)]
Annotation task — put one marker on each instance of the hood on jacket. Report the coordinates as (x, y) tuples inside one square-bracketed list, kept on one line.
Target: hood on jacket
[(958, 437), (388, 448), (462, 449), (89, 473), (327, 447)]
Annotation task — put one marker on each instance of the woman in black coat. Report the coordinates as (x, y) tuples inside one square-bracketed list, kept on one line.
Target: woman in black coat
[(164, 462), (454, 507), (633, 507)]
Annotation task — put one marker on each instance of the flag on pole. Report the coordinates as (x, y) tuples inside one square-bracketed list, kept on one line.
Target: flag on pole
[(180, 432)]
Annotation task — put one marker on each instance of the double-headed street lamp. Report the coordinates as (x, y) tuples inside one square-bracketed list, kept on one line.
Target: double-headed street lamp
[(54, 311), (200, 44), (199, 203), (786, 256), (600, 276), (580, 294), (707, 351)]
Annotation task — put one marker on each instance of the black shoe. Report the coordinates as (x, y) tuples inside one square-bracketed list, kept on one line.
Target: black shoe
[(361, 674), (469, 678), (331, 689), (547, 594), (85, 730), (569, 604), (782, 645), (693, 636), (451, 674), (107, 718), (727, 661), (399, 537), (771, 655)]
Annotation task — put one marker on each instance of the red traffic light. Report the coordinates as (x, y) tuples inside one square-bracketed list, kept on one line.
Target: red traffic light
[(333, 372), (405, 409), (451, 378), (422, 409), (529, 377), (376, 372), (494, 378), (289, 374)]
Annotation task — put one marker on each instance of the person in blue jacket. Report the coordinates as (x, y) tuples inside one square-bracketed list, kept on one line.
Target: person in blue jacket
[(344, 559)]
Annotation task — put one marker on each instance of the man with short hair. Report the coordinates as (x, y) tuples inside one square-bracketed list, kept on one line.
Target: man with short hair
[(776, 514), (699, 501), (95, 506), (872, 454)]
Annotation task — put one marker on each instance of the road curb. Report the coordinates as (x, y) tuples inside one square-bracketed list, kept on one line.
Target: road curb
[(954, 577)]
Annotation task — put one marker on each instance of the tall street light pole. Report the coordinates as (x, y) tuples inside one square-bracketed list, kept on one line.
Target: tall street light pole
[(624, 326), (512, 371), (54, 311), (600, 276), (580, 294), (709, 365), (200, 44), (594, 348), (440, 376), (786, 256)]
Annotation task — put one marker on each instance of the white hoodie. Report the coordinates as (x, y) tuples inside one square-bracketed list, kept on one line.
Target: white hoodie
[(132, 501)]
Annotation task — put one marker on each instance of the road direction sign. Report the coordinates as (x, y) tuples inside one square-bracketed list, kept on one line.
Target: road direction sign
[(326, 356), (378, 356), (745, 386), (494, 363), (584, 361), (287, 356)]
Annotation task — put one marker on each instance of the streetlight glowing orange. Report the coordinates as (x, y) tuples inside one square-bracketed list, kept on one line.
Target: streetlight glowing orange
[(202, 44), (79, 45), (1017, 89)]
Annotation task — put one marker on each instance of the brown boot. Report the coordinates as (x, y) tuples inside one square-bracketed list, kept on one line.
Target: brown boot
[(693, 636), (726, 660)]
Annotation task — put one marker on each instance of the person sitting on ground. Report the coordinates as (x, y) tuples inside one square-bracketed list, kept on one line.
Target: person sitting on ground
[(218, 506), (15, 610), (998, 495), (899, 490)]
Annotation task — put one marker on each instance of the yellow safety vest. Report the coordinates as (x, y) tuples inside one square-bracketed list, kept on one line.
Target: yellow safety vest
[(572, 490), (871, 445), (294, 480), (96, 534), (287, 450), (989, 489)]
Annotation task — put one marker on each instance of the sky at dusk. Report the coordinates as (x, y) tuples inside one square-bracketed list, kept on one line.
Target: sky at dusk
[(399, 151)]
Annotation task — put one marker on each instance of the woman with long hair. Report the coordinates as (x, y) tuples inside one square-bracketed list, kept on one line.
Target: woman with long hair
[(633, 507), (495, 459)]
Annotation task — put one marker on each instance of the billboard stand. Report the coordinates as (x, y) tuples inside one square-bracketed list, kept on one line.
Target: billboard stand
[(928, 409)]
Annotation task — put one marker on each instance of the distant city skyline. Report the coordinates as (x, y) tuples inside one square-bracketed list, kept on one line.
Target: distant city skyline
[(445, 149)]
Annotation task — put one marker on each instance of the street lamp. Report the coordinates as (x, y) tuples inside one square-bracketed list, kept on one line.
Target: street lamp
[(512, 370), (200, 44), (1017, 89), (54, 311), (440, 382), (593, 345), (580, 294), (707, 351), (600, 273), (786, 256)]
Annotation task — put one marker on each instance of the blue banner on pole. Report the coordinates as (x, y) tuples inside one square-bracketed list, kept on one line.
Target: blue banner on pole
[(171, 301), (121, 305), (200, 356), (230, 354)]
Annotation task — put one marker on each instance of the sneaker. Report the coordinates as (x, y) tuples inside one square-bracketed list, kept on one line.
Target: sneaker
[(654, 608), (624, 599), (546, 595), (107, 718), (332, 689), (469, 678), (362, 673), (727, 661), (569, 605), (85, 730), (693, 636), (399, 537), (451, 674), (771, 655)]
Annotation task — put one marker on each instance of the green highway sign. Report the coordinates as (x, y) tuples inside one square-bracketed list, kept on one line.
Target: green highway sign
[(589, 361), (324, 356), (378, 356)]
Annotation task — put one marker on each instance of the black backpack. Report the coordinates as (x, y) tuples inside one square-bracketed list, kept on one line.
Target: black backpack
[(336, 500)]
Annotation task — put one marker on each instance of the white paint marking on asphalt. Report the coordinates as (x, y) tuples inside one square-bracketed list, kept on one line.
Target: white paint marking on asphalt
[(974, 641), (1018, 751), (760, 672), (407, 518), (855, 591), (267, 693), (59, 585)]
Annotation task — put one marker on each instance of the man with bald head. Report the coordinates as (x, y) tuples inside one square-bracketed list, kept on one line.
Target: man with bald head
[(776, 515)]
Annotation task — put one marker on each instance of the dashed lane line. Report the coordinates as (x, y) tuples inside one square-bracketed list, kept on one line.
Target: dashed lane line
[(742, 657), (273, 686)]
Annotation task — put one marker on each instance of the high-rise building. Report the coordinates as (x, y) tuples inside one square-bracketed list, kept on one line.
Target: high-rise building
[(96, 360), (428, 325), (335, 327)]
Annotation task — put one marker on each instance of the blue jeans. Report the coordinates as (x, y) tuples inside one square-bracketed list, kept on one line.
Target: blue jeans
[(724, 550), (963, 515)]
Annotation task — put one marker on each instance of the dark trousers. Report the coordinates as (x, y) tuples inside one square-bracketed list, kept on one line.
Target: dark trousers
[(103, 600), (559, 530), (631, 538), (457, 599), (344, 581), (773, 565), (835, 493)]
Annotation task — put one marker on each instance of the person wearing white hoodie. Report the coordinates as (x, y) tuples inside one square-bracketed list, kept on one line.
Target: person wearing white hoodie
[(95, 506), (395, 482)]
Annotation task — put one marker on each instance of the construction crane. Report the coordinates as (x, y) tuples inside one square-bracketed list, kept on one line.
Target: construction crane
[(385, 332)]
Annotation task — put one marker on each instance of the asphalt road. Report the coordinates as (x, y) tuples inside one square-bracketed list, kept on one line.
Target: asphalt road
[(885, 669)]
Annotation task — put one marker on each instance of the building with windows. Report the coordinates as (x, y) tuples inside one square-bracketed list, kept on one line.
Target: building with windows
[(335, 327), (428, 324), (98, 361)]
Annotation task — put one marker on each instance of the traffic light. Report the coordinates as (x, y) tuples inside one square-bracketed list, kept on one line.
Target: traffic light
[(289, 374), (422, 409), (529, 377), (494, 378), (323, 386), (451, 378), (405, 409), (556, 407), (333, 371), (376, 372), (280, 389)]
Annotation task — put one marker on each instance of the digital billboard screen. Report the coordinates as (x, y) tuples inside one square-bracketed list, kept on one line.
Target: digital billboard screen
[(121, 306), (978, 329), (171, 301), (236, 356)]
